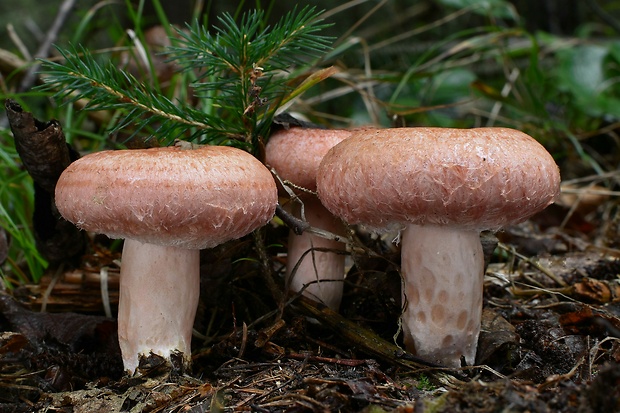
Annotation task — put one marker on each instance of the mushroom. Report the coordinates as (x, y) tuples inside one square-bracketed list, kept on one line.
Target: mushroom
[(441, 187), (295, 154), (168, 204)]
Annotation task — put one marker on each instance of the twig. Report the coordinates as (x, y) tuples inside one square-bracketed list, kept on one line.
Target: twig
[(50, 287), (267, 270), (298, 226), (44, 48), (534, 263), (359, 336), (17, 41), (557, 378), (105, 293), (328, 360), (298, 264), (606, 17)]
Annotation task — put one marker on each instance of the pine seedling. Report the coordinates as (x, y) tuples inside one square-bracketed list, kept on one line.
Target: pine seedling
[(245, 73)]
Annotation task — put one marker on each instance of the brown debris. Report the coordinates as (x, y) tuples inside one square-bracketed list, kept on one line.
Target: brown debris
[(497, 338), (41, 145), (45, 154), (595, 321), (597, 291), (45, 352), (77, 290), (549, 341)]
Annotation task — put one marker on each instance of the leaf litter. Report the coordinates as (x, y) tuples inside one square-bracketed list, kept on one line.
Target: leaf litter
[(550, 339)]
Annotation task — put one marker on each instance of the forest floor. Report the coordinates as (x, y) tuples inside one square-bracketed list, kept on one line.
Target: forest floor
[(550, 338)]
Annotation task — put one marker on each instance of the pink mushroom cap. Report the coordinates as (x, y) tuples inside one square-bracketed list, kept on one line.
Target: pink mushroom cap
[(480, 179), (191, 199), (296, 153)]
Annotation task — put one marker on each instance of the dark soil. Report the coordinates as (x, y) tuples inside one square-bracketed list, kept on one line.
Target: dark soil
[(550, 340)]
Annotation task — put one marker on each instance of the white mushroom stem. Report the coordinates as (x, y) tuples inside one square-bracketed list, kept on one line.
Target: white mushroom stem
[(443, 270), (159, 292), (322, 273)]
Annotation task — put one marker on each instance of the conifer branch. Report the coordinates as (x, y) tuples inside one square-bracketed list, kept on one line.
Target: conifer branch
[(243, 71)]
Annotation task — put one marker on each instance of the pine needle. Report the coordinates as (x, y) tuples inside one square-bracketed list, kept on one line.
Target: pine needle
[(244, 72)]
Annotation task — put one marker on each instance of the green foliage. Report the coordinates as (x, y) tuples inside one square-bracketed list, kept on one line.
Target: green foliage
[(589, 73), (106, 87), (16, 199), (470, 63), (495, 8), (228, 87), (424, 383), (243, 75)]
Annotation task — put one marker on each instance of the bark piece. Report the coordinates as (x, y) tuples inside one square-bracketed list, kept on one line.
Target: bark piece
[(45, 155), (40, 145)]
